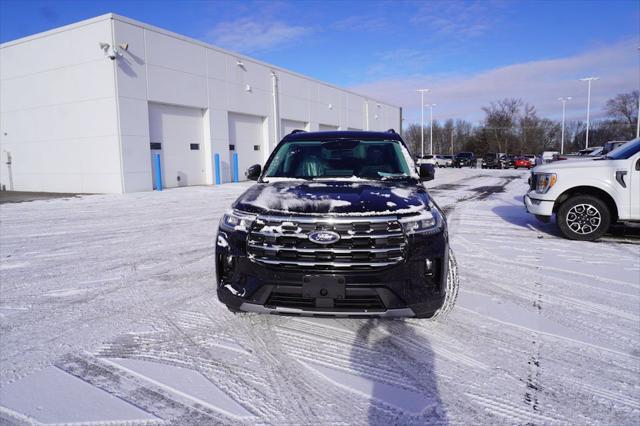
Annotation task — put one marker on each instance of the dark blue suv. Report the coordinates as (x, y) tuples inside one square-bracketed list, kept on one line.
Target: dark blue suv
[(340, 224)]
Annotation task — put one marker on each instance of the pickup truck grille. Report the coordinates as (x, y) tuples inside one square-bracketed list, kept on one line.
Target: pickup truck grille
[(365, 242)]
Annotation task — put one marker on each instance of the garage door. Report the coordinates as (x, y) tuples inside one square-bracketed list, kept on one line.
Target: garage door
[(176, 133), (247, 139), (289, 126), (327, 127)]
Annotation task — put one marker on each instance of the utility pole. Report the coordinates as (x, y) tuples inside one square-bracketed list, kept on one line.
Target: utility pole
[(422, 92), (588, 80), (564, 104), (431, 128), (452, 142)]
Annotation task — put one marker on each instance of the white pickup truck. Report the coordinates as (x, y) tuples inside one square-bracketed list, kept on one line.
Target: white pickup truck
[(587, 196)]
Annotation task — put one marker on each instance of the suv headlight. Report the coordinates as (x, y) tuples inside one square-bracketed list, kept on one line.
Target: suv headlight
[(427, 222), (544, 182), (234, 220)]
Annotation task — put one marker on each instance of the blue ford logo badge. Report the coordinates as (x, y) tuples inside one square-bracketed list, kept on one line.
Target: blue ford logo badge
[(324, 237)]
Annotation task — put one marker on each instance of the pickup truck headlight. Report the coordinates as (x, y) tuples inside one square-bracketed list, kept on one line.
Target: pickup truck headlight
[(544, 182), (235, 220), (427, 222)]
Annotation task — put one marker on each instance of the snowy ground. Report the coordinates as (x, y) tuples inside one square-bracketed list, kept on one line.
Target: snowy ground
[(108, 314)]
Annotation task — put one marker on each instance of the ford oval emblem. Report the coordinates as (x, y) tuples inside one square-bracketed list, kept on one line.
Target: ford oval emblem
[(324, 237)]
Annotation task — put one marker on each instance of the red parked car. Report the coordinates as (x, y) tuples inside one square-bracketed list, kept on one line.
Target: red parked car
[(522, 162)]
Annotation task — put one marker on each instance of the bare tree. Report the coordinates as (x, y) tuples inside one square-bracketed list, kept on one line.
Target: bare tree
[(500, 119), (624, 107)]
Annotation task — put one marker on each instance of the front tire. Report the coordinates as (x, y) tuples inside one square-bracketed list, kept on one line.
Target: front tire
[(583, 218)]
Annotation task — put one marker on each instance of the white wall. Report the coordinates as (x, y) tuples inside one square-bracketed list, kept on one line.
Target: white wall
[(171, 69), (75, 121), (58, 116)]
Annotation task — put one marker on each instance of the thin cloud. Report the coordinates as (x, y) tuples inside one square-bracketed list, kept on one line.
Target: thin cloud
[(467, 19), (249, 35), (539, 83)]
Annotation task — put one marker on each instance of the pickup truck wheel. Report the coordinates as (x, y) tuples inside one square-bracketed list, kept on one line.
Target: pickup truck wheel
[(583, 218), (452, 286)]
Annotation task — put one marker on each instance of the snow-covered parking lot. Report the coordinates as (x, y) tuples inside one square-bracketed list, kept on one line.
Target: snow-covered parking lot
[(108, 314)]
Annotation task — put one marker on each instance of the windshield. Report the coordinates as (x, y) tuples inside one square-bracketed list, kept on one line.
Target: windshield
[(464, 155), (625, 151), (339, 159)]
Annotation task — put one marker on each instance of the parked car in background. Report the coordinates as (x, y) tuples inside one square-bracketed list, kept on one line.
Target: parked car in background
[(508, 161), (493, 160), (588, 151), (426, 159), (531, 158), (448, 160), (522, 162), (547, 157), (464, 159), (440, 161), (596, 152), (587, 196)]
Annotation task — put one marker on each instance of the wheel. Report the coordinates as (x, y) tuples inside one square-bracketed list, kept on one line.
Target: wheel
[(453, 284), (583, 218)]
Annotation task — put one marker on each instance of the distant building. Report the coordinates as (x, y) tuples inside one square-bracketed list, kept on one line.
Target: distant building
[(83, 108)]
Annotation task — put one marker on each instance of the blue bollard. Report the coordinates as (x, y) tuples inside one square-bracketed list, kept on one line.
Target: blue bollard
[(158, 166), (235, 167), (216, 165)]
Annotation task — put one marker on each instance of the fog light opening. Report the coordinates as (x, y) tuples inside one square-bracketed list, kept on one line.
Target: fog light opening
[(428, 267), (228, 264)]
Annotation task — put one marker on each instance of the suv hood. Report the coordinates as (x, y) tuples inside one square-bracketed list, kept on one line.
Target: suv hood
[(334, 197), (575, 164)]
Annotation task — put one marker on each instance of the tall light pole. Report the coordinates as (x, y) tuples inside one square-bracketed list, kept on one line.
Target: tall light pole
[(588, 80), (638, 123), (564, 104), (431, 127), (422, 92)]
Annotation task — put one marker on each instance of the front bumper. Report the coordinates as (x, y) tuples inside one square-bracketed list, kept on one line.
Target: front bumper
[(405, 289), (537, 206), (389, 313)]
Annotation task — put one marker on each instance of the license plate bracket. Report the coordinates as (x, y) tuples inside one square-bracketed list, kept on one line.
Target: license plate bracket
[(324, 288)]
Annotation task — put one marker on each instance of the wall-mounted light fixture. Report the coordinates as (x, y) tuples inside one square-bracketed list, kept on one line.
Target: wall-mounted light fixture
[(247, 88), (330, 106)]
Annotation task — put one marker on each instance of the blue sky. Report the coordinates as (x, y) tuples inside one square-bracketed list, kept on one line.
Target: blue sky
[(468, 52)]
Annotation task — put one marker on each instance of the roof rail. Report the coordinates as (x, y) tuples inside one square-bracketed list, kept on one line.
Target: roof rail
[(391, 131), (293, 132)]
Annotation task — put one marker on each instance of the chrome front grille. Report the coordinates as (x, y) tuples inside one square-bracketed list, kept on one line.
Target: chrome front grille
[(365, 242)]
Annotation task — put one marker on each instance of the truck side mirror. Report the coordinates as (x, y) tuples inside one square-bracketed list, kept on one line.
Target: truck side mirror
[(427, 172), (253, 172)]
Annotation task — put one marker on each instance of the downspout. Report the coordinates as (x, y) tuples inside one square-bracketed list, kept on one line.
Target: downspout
[(117, 102), (366, 115), (276, 112)]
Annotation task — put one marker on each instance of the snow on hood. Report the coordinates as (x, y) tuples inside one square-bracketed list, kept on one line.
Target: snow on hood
[(362, 198)]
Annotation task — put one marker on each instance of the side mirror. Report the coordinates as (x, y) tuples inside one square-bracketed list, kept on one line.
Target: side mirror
[(427, 172), (253, 172)]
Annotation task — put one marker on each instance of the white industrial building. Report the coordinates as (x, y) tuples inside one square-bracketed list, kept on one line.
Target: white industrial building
[(84, 107)]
